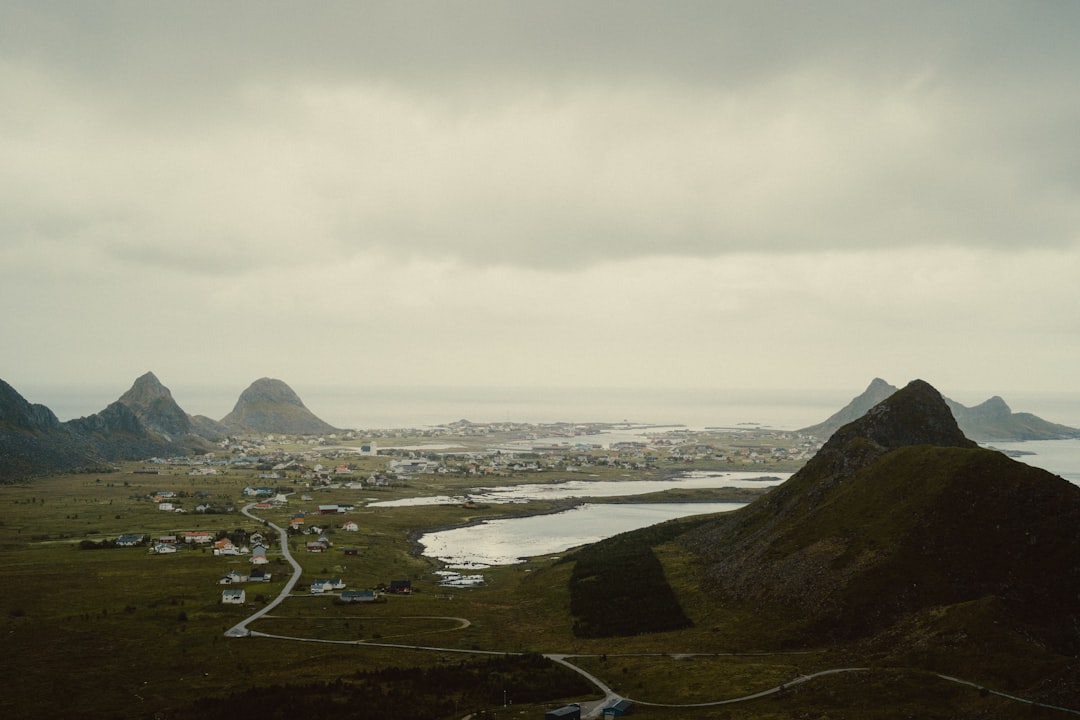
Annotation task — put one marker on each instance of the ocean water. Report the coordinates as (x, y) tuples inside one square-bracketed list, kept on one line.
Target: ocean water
[(372, 407)]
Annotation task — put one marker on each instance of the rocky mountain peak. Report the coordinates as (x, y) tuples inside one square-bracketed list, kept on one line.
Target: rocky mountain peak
[(915, 415), (155, 407)]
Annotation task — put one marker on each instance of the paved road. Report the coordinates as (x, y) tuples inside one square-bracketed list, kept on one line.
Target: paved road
[(241, 628), (589, 709)]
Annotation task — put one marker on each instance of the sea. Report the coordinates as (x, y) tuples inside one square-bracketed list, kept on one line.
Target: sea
[(375, 406)]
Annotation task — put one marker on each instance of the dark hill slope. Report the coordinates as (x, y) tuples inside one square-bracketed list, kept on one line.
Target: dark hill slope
[(899, 513), (271, 406), (986, 422), (33, 442)]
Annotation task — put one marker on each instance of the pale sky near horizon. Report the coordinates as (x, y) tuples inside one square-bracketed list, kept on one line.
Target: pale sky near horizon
[(615, 194)]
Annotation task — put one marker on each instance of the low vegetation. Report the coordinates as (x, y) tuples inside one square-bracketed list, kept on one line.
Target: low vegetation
[(133, 635)]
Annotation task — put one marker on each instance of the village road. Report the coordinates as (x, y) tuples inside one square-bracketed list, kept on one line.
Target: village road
[(241, 628)]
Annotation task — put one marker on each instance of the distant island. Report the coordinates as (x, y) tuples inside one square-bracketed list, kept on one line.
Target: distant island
[(989, 421)]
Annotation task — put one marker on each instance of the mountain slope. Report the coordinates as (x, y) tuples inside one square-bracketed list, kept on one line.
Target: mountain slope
[(994, 420), (271, 406), (897, 514), (874, 393), (153, 404), (33, 442), (155, 407), (989, 421)]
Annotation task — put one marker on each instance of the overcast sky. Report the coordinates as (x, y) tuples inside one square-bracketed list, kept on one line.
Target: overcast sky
[(666, 194)]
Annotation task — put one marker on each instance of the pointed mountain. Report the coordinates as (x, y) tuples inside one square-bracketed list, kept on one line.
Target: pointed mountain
[(995, 420), (875, 392), (989, 421), (271, 406), (33, 442), (898, 519), (153, 404)]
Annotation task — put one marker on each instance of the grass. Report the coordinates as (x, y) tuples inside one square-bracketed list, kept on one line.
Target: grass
[(122, 633)]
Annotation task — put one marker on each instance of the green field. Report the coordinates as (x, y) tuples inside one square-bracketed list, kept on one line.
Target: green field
[(124, 633)]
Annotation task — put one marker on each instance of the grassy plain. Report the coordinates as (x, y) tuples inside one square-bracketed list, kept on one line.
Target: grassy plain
[(123, 633)]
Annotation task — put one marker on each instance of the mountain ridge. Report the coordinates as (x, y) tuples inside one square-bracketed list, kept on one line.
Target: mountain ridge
[(144, 422), (991, 420), (898, 514)]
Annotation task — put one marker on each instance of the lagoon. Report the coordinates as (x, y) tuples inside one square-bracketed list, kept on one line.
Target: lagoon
[(510, 540), (586, 488)]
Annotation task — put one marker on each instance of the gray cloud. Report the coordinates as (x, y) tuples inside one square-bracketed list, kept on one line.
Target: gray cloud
[(800, 181), (551, 133)]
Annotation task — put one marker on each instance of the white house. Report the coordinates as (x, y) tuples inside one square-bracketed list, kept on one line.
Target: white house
[(326, 585), (233, 596), (350, 527)]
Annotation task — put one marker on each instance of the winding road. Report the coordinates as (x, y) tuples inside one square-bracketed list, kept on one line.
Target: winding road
[(591, 709)]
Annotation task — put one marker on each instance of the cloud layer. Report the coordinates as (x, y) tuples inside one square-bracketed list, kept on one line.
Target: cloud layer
[(458, 193)]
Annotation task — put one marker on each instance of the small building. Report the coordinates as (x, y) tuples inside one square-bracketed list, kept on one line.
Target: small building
[(401, 587), (258, 555), (350, 526), (566, 712), (352, 551), (233, 596), (618, 709), (231, 578), (129, 540), (323, 585), (315, 547), (259, 575), (163, 549), (199, 537), (358, 596)]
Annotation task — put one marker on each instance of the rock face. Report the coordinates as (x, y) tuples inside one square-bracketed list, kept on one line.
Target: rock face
[(153, 404), (33, 442), (899, 514), (271, 406), (986, 422)]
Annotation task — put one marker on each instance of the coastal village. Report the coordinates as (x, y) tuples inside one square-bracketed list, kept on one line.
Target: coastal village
[(312, 485)]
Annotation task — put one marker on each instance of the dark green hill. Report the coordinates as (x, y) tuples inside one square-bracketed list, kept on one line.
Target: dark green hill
[(897, 514), (271, 406)]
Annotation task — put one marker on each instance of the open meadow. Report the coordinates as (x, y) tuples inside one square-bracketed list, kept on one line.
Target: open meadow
[(97, 631)]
